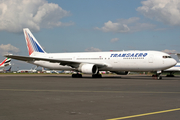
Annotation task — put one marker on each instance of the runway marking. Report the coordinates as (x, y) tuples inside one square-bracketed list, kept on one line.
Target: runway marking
[(145, 114), (137, 92)]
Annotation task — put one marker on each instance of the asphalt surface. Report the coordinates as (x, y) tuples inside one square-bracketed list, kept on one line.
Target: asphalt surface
[(60, 97)]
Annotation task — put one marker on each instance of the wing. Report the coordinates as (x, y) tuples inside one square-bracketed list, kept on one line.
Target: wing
[(71, 63)]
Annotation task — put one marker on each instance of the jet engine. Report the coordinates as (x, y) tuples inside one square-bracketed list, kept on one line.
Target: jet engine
[(88, 68), (120, 72)]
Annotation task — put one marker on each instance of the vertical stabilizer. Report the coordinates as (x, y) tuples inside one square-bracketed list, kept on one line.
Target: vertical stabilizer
[(5, 62), (32, 44), (178, 54), (9, 70)]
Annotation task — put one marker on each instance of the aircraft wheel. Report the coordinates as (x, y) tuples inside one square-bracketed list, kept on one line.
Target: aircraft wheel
[(73, 75), (76, 75), (154, 75), (97, 76), (159, 77), (79, 75), (169, 75)]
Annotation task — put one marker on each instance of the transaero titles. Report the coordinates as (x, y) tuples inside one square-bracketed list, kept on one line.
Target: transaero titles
[(129, 55)]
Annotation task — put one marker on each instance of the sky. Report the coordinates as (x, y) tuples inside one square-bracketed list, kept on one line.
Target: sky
[(89, 25)]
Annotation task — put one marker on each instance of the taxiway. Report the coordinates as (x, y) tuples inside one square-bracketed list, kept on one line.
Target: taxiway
[(60, 97)]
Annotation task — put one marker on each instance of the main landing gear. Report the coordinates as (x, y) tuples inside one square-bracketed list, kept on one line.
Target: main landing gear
[(171, 74), (96, 76), (77, 75)]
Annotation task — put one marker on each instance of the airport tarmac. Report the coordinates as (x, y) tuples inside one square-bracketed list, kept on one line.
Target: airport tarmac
[(60, 97)]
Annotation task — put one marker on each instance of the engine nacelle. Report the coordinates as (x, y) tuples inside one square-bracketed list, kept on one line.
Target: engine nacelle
[(88, 68), (121, 72)]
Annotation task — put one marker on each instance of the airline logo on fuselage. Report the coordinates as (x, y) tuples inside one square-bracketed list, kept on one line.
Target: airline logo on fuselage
[(129, 55)]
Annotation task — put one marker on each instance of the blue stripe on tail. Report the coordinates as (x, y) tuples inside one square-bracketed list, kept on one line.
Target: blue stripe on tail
[(35, 46)]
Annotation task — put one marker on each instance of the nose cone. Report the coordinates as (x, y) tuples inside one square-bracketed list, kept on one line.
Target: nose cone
[(173, 62), (169, 62)]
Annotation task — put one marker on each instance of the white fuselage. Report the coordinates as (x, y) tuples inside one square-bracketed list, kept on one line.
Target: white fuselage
[(4, 65), (31, 71), (114, 60)]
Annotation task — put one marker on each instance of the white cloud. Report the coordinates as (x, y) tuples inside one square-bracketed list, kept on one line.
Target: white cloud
[(114, 27), (125, 25), (114, 39), (34, 14), (166, 11), (92, 49), (6, 49)]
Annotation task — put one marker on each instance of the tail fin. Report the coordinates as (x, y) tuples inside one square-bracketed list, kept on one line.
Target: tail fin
[(178, 54), (32, 44), (5, 62), (9, 69)]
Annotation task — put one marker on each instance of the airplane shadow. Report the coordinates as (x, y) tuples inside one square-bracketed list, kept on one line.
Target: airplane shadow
[(135, 77)]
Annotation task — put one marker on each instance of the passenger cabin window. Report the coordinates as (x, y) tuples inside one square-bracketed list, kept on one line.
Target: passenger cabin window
[(167, 57)]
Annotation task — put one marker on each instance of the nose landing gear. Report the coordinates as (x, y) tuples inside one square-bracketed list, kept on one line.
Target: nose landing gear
[(157, 76)]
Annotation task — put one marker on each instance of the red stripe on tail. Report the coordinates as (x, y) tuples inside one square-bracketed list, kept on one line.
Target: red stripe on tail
[(30, 47), (3, 62)]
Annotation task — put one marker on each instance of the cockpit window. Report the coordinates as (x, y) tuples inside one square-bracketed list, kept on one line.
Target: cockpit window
[(167, 57)]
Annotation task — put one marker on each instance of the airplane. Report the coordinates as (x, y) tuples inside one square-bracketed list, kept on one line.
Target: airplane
[(49, 71), (173, 69), (28, 70), (5, 71), (6, 62), (119, 62), (8, 70)]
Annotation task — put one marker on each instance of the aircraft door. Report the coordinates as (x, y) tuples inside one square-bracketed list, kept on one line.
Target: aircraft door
[(151, 58)]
